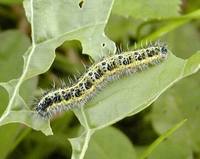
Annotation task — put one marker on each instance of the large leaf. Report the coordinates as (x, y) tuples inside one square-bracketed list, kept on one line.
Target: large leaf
[(66, 20), (101, 147), (12, 45), (52, 25), (147, 9), (187, 35), (130, 95), (178, 103)]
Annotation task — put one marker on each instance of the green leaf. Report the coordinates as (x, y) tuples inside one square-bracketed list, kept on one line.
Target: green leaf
[(80, 144), (132, 94), (177, 103), (12, 45), (161, 139), (67, 21), (51, 26), (129, 96), (193, 64), (188, 37), (103, 145), (19, 112), (150, 9), (54, 24), (100, 145)]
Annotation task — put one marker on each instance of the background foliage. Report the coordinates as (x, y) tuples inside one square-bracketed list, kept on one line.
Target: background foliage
[(45, 41)]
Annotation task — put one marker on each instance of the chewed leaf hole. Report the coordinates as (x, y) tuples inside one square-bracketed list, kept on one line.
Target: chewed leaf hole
[(81, 4)]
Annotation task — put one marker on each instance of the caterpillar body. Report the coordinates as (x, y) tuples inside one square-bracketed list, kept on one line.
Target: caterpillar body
[(97, 76)]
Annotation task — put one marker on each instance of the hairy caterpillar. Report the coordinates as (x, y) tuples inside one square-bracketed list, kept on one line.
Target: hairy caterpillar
[(97, 76)]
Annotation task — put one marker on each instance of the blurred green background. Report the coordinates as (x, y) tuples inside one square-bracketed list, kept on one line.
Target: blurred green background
[(132, 134)]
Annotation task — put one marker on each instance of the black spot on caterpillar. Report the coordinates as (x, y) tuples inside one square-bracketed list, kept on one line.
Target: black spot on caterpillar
[(97, 76)]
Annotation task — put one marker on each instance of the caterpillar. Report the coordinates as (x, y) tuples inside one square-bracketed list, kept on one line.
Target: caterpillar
[(97, 76)]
